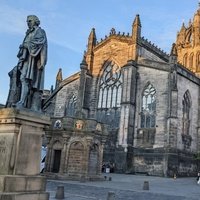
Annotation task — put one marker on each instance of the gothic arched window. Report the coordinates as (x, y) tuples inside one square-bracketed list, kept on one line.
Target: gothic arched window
[(109, 97), (71, 106), (110, 87), (186, 113), (148, 111)]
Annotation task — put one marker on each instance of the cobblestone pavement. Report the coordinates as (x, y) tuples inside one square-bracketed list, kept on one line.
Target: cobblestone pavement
[(128, 187)]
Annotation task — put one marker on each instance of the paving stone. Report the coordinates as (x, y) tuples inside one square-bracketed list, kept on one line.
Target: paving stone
[(129, 187)]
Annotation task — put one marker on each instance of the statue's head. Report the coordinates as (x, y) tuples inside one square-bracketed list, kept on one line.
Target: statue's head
[(33, 18)]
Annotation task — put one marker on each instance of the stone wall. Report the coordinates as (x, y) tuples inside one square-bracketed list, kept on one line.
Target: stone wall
[(149, 143), (144, 53), (63, 97), (113, 49), (75, 158), (159, 79), (194, 92)]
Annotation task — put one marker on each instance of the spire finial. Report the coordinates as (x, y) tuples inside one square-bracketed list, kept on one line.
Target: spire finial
[(58, 78), (83, 64), (173, 50), (137, 20), (59, 75)]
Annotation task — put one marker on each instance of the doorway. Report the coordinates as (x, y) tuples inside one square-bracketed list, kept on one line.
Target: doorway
[(56, 162)]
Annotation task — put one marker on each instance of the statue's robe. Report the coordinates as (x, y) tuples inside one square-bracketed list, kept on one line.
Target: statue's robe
[(33, 57)]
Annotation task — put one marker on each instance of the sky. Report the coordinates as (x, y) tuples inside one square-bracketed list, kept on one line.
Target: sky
[(68, 23)]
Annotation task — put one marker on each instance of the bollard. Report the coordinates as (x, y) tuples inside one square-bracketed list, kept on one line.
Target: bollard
[(174, 176), (105, 177), (83, 179), (110, 179), (146, 185), (60, 192), (111, 196)]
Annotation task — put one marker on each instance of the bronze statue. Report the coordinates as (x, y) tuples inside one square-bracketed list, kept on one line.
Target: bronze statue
[(32, 60)]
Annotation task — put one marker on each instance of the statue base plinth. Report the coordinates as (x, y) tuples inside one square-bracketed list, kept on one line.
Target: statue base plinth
[(21, 134), (15, 187)]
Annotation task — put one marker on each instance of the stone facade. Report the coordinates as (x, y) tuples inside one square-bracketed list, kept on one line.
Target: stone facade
[(148, 99), (75, 148)]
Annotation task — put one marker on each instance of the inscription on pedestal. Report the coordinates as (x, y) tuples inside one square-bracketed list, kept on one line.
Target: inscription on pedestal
[(2, 146), (5, 153)]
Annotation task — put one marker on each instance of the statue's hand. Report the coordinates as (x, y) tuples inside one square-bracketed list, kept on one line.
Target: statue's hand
[(19, 66), (24, 45), (21, 46)]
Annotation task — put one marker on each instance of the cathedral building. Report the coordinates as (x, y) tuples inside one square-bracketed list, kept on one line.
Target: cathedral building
[(148, 100)]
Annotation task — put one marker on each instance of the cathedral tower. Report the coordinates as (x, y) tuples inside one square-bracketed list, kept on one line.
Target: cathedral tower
[(188, 44)]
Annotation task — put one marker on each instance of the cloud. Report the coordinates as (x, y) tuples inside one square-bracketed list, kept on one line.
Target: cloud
[(12, 20)]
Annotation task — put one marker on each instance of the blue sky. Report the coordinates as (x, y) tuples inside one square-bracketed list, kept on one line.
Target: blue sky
[(68, 23)]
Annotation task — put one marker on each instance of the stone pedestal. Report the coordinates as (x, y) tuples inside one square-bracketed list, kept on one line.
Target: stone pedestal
[(20, 152)]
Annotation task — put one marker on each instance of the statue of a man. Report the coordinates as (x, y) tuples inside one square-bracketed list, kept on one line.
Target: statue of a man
[(32, 60)]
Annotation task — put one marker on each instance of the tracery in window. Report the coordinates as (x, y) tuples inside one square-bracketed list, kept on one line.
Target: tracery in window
[(71, 105), (148, 110), (110, 90), (186, 113), (110, 87)]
